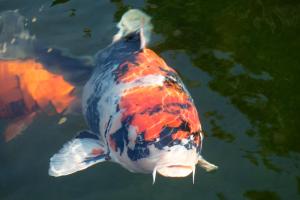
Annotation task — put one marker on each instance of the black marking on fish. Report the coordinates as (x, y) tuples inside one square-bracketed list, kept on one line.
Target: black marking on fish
[(152, 110), (108, 126), (174, 108), (181, 105), (165, 136), (120, 51), (170, 82), (86, 134), (117, 108), (166, 108), (92, 114), (120, 71), (123, 68), (140, 149), (94, 159), (120, 137)]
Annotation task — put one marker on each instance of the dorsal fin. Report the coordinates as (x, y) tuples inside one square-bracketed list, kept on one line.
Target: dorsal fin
[(132, 21), (142, 35)]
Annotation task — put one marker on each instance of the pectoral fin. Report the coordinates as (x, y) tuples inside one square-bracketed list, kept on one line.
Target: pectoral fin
[(80, 153), (18, 126), (206, 165)]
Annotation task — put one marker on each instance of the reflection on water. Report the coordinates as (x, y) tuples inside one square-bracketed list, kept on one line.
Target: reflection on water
[(256, 77), (15, 39), (260, 195), (55, 2), (240, 61)]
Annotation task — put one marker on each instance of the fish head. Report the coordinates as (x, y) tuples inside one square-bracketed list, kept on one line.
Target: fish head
[(178, 162), (179, 157)]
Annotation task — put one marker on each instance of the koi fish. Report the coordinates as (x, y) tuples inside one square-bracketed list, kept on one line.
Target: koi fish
[(26, 87), (29, 79), (138, 110)]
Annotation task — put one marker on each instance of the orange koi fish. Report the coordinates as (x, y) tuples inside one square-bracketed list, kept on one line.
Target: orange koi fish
[(26, 87)]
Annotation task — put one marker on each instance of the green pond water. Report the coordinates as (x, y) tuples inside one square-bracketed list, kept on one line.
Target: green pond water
[(239, 59)]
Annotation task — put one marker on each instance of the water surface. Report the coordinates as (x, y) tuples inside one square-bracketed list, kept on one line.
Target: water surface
[(240, 61)]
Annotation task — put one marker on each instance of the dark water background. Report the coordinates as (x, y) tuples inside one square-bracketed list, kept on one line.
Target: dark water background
[(240, 61)]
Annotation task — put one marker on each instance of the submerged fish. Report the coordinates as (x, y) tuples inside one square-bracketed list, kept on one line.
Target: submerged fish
[(29, 79), (138, 110), (26, 87)]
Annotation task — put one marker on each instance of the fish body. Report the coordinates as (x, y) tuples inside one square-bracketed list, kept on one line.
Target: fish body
[(26, 87), (139, 106), (139, 113), (32, 77)]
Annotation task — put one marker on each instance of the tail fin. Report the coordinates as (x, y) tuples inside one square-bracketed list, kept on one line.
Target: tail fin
[(134, 20)]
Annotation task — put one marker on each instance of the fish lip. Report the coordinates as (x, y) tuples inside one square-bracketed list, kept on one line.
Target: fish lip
[(180, 166), (175, 170)]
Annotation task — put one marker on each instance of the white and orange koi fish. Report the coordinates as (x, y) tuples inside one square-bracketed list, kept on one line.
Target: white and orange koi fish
[(138, 110)]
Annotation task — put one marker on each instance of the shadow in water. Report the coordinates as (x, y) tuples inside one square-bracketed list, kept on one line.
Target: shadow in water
[(249, 51)]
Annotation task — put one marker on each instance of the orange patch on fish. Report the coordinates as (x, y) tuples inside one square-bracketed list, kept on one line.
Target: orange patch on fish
[(112, 143), (180, 135), (145, 63), (156, 107), (97, 151)]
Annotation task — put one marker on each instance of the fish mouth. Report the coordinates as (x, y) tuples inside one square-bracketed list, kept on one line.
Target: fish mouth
[(176, 170)]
